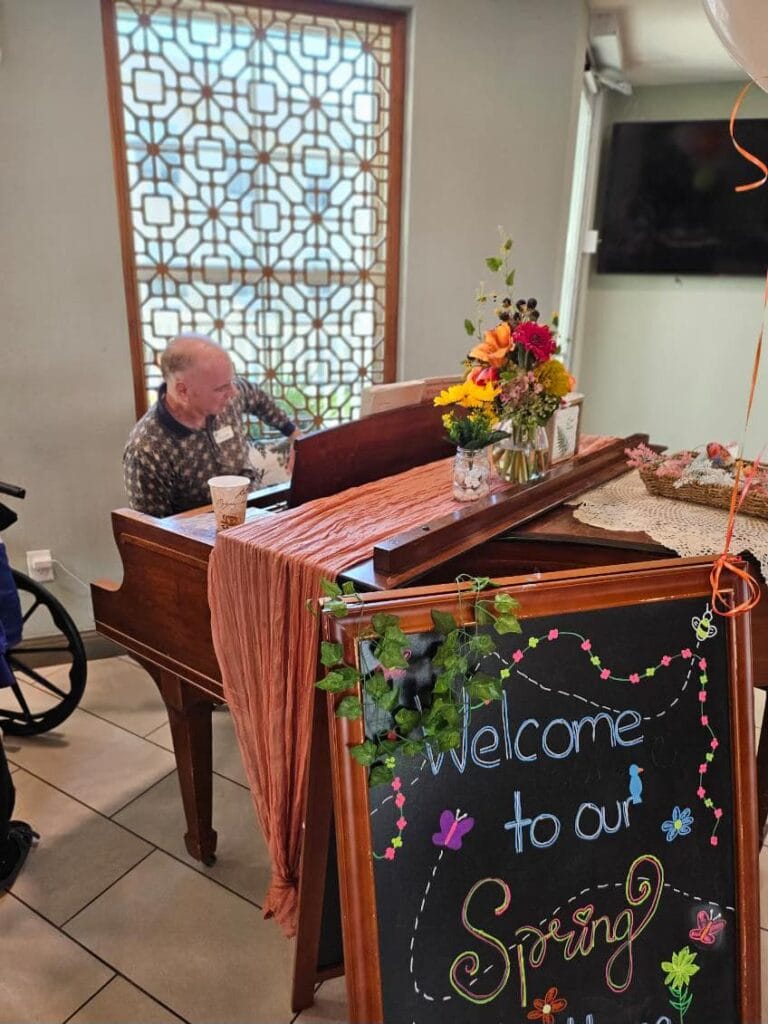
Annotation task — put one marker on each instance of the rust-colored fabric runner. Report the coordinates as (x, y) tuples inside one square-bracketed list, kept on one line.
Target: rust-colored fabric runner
[(260, 577)]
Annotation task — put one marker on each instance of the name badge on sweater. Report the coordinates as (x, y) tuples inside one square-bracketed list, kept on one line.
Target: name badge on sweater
[(223, 434)]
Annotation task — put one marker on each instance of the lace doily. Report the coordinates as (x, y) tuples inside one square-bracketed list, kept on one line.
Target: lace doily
[(689, 530)]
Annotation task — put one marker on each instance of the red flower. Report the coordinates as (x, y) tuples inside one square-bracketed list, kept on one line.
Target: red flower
[(482, 375), (536, 338), (547, 1007)]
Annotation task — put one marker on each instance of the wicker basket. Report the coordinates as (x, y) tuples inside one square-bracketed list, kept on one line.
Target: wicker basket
[(702, 494)]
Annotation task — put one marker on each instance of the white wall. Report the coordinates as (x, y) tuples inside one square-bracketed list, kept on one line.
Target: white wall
[(672, 354), (491, 110)]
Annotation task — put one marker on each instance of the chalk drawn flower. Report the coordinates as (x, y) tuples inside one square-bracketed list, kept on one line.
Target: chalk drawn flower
[(546, 1008), (680, 969), (678, 825), (666, 660)]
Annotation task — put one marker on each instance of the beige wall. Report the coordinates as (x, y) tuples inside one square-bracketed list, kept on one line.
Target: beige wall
[(491, 108), (672, 354)]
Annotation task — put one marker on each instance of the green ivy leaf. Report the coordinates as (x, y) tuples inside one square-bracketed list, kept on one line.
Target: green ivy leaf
[(348, 588), (482, 644), (507, 244), (379, 775), (390, 654), (349, 707), (387, 700), (382, 621), (505, 604), (469, 327), (448, 739), (483, 687), (407, 719), (443, 683), (336, 607), (483, 614), (364, 753), (330, 654), (493, 263), (376, 686), (509, 280), (334, 682), (329, 588), (386, 747), (507, 624), (444, 622), (413, 747)]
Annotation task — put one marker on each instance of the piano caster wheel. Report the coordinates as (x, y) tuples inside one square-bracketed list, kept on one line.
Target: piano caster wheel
[(210, 860)]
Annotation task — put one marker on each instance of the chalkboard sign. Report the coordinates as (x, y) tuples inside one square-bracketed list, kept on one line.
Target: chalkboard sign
[(588, 855)]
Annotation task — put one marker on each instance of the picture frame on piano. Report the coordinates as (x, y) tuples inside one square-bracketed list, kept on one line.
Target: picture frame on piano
[(564, 429)]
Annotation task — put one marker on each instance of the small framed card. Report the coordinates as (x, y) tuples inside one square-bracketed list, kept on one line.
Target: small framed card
[(564, 429)]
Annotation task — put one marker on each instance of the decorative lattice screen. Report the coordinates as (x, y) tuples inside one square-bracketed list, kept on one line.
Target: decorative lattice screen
[(258, 154)]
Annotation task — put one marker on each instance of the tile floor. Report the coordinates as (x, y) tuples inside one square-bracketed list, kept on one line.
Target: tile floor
[(111, 922)]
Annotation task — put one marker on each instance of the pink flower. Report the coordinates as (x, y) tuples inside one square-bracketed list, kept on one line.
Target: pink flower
[(634, 678), (605, 674), (714, 744), (396, 783), (702, 695), (713, 840), (666, 660), (553, 634), (389, 853), (718, 812), (702, 769), (702, 663), (517, 656), (701, 792), (686, 652), (401, 823), (705, 719), (587, 645), (399, 800)]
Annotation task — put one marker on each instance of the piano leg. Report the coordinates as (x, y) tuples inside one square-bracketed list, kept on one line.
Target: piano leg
[(189, 714)]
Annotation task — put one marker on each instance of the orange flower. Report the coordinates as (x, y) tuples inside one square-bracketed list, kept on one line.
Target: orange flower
[(571, 382), (547, 1007), (495, 346)]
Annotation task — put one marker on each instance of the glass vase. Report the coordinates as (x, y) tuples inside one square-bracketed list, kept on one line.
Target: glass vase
[(471, 474), (524, 455)]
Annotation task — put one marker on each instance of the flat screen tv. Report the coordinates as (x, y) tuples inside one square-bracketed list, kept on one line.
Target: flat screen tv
[(669, 204)]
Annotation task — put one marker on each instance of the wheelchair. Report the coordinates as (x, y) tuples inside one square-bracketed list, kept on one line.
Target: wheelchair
[(34, 703)]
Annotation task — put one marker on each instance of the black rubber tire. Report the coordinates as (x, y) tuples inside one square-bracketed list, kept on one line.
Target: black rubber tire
[(15, 721)]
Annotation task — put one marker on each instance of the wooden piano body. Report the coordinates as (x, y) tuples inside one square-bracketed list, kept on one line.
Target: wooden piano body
[(160, 611)]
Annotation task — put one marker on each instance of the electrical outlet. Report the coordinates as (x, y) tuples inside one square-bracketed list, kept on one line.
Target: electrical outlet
[(40, 566)]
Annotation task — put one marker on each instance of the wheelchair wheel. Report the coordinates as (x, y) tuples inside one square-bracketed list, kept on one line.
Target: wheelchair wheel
[(45, 703)]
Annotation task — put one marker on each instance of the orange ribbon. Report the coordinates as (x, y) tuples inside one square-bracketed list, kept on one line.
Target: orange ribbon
[(727, 561), (745, 152)]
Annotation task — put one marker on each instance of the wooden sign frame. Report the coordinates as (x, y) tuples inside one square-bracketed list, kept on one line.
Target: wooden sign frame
[(562, 593)]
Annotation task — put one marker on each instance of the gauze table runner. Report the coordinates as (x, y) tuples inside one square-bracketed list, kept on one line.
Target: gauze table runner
[(260, 576)]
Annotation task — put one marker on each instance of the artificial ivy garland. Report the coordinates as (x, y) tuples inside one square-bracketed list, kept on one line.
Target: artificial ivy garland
[(439, 719)]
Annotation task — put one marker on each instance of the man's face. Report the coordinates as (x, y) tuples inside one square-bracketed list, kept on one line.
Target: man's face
[(208, 386)]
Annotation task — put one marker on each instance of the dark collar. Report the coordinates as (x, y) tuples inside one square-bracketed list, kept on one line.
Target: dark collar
[(166, 420)]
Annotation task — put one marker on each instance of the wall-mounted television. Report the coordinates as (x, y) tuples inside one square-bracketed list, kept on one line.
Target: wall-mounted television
[(669, 205)]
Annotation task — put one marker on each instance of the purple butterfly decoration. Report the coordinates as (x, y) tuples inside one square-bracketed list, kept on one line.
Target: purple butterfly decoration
[(453, 828)]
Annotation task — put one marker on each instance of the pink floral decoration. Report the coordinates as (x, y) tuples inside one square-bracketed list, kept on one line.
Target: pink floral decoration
[(587, 645), (553, 634), (666, 660), (634, 678)]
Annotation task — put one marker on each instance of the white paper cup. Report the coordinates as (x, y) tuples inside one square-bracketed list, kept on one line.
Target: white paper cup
[(229, 495)]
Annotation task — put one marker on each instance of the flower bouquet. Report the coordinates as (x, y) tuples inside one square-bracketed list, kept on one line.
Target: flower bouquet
[(471, 427), (704, 477), (518, 359)]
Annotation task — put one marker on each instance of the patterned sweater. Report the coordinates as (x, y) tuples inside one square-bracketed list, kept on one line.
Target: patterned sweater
[(166, 465)]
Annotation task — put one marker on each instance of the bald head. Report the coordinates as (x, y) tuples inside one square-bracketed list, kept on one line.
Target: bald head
[(185, 351), (199, 378)]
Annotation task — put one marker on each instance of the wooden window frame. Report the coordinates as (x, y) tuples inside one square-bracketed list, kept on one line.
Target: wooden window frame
[(396, 20)]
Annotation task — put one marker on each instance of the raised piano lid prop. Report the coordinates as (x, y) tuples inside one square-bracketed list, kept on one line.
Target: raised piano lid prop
[(588, 855)]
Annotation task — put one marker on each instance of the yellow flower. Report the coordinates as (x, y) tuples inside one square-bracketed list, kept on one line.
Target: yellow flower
[(553, 377), (451, 395), (468, 395)]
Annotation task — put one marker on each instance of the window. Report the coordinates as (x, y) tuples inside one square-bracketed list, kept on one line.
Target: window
[(258, 151)]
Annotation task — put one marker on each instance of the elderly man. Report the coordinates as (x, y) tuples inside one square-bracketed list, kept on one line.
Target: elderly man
[(195, 429)]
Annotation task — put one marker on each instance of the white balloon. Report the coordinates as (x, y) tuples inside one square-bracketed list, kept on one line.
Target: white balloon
[(743, 28)]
